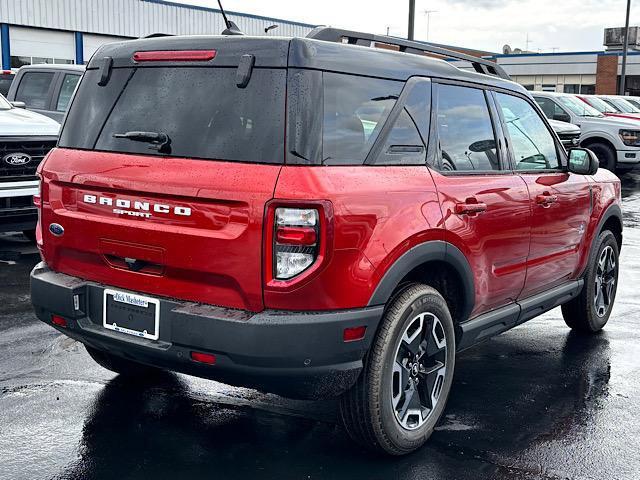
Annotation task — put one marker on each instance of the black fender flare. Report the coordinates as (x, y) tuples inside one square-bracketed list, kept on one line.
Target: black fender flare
[(612, 210), (435, 250)]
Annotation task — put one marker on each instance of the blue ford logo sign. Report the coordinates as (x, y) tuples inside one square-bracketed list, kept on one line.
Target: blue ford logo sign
[(56, 229), (17, 159)]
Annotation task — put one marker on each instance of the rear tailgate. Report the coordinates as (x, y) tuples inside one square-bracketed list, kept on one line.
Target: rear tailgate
[(210, 251), (183, 220)]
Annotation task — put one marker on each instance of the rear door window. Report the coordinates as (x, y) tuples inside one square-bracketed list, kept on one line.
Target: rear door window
[(34, 89), (69, 83), (465, 131), (355, 110)]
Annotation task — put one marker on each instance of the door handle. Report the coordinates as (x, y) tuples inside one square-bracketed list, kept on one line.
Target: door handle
[(470, 208), (546, 199)]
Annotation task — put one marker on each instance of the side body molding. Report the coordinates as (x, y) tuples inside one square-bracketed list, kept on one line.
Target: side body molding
[(436, 250)]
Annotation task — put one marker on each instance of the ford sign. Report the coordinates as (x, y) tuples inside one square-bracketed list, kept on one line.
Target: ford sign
[(17, 159)]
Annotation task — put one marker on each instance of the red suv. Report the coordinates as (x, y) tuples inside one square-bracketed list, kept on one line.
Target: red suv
[(316, 218)]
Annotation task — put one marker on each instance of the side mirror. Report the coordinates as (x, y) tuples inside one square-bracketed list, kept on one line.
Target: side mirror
[(583, 161), (562, 117), (19, 104)]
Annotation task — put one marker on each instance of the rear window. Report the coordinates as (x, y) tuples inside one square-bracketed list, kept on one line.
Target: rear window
[(34, 89), (201, 110)]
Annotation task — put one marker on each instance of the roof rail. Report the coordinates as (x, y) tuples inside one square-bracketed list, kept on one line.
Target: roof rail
[(480, 65)]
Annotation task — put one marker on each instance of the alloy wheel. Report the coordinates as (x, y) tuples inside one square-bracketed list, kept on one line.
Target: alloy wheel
[(419, 367), (605, 281)]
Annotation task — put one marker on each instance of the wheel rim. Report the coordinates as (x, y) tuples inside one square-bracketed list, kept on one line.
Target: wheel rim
[(605, 281), (419, 368)]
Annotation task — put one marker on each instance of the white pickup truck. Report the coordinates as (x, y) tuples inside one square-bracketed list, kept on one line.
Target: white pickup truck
[(25, 138), (615, 141)]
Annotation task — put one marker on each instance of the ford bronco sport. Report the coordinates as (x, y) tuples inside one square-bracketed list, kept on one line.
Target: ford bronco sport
[(315, 217)]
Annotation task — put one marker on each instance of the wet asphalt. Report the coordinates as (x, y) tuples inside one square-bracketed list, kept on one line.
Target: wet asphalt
[(538, 402)]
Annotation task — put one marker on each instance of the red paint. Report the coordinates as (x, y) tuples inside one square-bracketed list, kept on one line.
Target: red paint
[(521, 233), (175, 56), (632, 116)]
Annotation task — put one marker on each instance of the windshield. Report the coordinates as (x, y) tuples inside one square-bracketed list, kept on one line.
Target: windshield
[(578, 107), (4, 104), (623, 105), (601, 105)]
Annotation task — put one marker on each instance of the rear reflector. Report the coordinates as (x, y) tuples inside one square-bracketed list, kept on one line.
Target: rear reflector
[(59, 321), (296, 235), (175, 55), (207, 358), (354, 334)]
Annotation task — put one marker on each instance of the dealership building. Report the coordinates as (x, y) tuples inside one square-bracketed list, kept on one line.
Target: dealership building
[(70, 31)]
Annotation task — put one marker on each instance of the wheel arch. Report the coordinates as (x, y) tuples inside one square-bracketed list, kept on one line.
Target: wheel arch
[(435, 263), (598, 139), (611, 220)]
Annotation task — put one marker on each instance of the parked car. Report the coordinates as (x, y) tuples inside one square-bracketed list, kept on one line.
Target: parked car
[(635, 101), (614, 140), (314, 218), (606, 108), (621, 104), (46, 89), (568, 133), (25, 138), (6, 77)]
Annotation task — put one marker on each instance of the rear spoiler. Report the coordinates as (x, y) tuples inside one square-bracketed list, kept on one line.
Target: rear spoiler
[(336, 35)]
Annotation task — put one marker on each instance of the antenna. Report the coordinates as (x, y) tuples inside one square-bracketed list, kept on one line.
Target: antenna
[(232, 28)]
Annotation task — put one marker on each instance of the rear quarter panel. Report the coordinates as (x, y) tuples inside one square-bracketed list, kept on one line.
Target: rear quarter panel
[(379, 213)]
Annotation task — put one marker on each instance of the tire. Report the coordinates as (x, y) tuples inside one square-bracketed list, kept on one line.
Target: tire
[(587, 313), (371, 411), (122, 366), (30, 234), (605, 154)]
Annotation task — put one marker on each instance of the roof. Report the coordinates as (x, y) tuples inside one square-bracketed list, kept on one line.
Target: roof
[(282, 52), (55, 66)]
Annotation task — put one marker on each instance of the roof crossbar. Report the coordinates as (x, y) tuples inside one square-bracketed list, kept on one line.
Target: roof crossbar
[(480, 65)]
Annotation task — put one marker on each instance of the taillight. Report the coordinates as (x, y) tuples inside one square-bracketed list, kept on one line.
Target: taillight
[(295, 242), (37, 202)]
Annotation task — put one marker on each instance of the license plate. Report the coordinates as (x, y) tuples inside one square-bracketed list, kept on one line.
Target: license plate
[(132, 314)]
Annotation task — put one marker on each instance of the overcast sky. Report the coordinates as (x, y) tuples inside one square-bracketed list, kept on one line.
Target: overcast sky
[(566, 25)]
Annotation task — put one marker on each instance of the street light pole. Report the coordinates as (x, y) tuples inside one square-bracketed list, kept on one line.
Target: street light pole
[(625, 47), (412, 15)]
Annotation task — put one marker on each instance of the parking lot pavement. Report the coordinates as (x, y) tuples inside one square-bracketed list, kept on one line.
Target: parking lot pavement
[(535, 403)]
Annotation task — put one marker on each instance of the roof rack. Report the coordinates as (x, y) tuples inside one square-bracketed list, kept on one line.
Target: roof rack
[(480, 65)]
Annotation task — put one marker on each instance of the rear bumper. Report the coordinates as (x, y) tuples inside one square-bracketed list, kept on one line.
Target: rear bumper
[(295, 354)]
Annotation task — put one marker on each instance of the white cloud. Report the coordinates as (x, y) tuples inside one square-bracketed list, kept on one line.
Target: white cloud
[(483, 24)]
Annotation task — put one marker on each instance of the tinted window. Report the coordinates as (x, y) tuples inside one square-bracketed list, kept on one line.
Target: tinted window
[(34, 89), (5, 83), (465, 131), (355, 109), (552, 110), (531, 142), (404, 144), (66, 90), (201, 110)]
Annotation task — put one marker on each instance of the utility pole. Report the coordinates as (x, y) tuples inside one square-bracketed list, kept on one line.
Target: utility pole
[(625, 47), (412, 18), (428, 14)]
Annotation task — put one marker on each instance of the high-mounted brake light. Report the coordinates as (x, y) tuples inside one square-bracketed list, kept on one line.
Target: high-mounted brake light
[(175, 56)]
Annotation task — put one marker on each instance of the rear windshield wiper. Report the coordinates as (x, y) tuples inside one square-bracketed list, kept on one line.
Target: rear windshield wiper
[(159, 141)]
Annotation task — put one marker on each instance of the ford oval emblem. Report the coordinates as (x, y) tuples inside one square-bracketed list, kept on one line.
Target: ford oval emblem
[(56, 229), (17, 159)]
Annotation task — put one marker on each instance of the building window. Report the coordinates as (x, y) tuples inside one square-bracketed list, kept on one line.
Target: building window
[(529, 87), (547, 87), (588, 89), (571, 88), (17, 62)]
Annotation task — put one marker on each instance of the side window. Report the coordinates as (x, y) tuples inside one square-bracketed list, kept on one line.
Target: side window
[(552, 110), (34, 89), (355, 110), (404, 145), (532, 144), (66, 90), (465, 131)]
